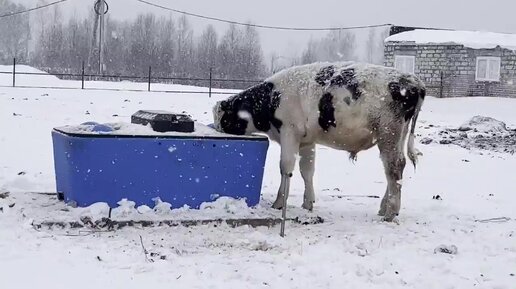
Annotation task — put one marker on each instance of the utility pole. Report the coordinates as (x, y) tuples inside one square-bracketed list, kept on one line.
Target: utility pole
[(102, 11)]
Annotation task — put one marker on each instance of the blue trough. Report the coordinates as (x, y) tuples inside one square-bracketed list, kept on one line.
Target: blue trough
[(101, 163)]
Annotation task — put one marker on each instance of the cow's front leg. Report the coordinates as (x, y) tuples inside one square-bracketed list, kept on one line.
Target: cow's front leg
[(307, 168), (289, 147)]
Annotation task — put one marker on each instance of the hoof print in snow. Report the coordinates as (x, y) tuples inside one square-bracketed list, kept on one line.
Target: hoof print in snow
[(4, 195), (445, 141), (22, 173), (452, 249), (437, 197)]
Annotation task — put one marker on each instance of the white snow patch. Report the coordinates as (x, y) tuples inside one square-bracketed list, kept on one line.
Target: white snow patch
[(484, 124)]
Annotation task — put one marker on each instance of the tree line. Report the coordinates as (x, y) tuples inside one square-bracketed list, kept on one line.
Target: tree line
[(167, 44)]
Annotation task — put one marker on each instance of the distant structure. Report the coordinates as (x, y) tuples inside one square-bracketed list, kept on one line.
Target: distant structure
[(455, 63)]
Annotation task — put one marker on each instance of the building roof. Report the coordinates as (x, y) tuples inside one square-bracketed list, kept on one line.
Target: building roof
[(471, 39)]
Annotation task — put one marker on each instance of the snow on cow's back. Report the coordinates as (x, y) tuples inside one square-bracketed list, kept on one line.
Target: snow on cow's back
[(303, 76), (303, 79)]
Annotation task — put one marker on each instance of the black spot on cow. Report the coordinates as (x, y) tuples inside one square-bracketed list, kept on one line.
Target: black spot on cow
[(347, 78), (324, 75), (261, 101), (405, 94), (275, 102), (326, 112)]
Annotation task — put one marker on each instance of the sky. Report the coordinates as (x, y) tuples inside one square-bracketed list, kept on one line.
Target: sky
[(493, 15)]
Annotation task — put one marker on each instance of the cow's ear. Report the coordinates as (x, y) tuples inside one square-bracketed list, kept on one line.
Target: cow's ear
[(224, 105)]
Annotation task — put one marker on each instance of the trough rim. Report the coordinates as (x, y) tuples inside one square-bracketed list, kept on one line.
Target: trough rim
[(196, 137)]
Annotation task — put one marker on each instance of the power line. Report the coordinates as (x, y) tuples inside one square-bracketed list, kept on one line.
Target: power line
[(261, 26), (32, 9)]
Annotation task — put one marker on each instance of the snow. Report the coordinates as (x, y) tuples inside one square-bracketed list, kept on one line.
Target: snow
[(464, 239), (126, 128), (6, 77), (471, 39), (484, 124)]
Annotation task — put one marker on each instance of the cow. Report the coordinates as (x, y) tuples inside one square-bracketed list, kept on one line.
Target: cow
[(344, 105)]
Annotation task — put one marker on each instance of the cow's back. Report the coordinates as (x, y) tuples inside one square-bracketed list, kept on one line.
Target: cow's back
[(335, 104)]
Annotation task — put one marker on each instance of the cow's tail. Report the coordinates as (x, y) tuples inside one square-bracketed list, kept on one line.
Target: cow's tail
[(412, 152)]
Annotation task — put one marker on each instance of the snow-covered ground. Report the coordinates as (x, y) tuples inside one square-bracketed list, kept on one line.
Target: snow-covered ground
[(475, 211)]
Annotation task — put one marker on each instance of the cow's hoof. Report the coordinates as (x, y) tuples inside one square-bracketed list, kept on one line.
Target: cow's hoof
[(278, 205), (308, 206), (391, 218)]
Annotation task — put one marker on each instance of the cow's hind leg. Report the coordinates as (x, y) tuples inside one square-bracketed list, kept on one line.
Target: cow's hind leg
[(383, 204), (289, 149), (391, 151), (307, 168)]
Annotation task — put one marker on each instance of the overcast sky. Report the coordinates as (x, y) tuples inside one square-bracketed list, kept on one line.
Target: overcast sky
[(492, 15)]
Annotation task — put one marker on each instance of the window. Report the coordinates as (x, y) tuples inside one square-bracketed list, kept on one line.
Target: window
[(488, 69), (404, 63)]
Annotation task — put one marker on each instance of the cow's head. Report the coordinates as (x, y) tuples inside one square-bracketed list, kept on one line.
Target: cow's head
[(229, 117)]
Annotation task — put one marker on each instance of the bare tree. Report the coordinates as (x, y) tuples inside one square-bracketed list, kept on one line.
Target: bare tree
[(371, 46), (310, 53), (252, 56), (185, 48), (14, 33), (166, 46), (207, 51)]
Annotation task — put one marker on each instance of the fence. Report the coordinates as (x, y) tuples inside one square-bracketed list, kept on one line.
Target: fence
[(149, 79), (435, 87)]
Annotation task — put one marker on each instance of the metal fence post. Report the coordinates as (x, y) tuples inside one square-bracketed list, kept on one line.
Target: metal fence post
[(82, 76), (14, 72), (148, 88), (210, 81)]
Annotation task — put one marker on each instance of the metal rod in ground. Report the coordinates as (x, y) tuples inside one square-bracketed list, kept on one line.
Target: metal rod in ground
[(14, 72), (148, 88), (82, 76), (210, 81), (285, 192)]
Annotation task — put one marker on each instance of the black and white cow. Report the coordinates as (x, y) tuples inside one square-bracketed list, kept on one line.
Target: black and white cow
[(347, 106)]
